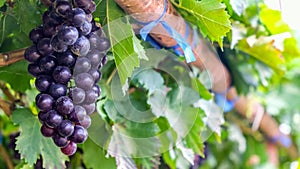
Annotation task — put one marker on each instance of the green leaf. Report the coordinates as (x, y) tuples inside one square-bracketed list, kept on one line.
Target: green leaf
[(28, 14), (201, 89), (16, 75), (209, 15), (265, 52), (31, 144), (148, 162), (149, 78), (94, 156), (121, 35), (7, 24), (272, 19)]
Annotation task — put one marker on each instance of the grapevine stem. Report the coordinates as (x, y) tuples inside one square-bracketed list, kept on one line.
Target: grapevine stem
[(5, 156), (11, 57), (111, 76)]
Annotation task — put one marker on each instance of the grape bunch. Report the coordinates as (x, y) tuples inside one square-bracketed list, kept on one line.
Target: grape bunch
[(66, 57)]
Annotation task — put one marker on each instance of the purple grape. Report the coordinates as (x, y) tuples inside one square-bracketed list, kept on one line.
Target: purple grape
[(66, 128), (95, 58), (70, 149), (43, 83), (47, 18), (77, 114), (84, 81), (44, 102), (82, 65), (77, 95), (62, 74), (57, 45), (68, 35), (104, 44), (47, 64), (90, 97), (104, 60), (47, 131), (36, 34), (97, 89), (62, 7), (34, 69), (53, 119), (42, 115), (85, 28), (31, 54), (60, 141), (96, 74), (89, 108), (81, 47), (79, 17), (44, 46), (57, 90), (49, 29), (64, 105), (79, 135), (66, 59), (86, 122)]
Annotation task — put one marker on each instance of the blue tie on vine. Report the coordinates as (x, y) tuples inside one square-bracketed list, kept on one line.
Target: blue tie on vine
[(181, 42)]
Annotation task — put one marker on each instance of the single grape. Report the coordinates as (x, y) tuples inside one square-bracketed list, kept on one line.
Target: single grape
[(66, 128), (49, 29), (31, 54), (81, 47), (66, 59), (34, 69), (77, 114), (44, 102), (42, 115), (57, 45), (85, 28), (68, 35), (57, 90), (95, 57), (47, 64), (64, 105), (96, 74), (97, 89), (62, 7), (60, 141), (62, 74), (79, 17), (90, 97), (82, 65), (77, 95), (86, 122), (84, 81), (89, 108), (43, 83), (70, 149), (79, 135), (47, 131), (36, 34), (53, 119), (48, 19), (104, 44), (44, 46)]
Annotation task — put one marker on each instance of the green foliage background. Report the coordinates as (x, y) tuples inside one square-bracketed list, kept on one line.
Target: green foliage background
[(246, 30)]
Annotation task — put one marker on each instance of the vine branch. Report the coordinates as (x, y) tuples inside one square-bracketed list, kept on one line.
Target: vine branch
[(6, 158), (11, 57)]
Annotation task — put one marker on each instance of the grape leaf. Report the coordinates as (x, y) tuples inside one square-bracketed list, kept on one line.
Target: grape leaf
[(121, 35), (31, 144), (265, 52), (94, 156), (148, 162), (2, 2), (16, 75), (27, 14), (7, 24), (272, 19), (209, 15), (149, 78)]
